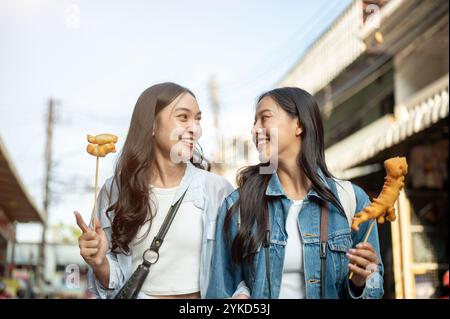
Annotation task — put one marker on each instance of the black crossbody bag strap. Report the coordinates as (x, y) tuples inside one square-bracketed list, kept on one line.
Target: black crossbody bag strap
[(132, 287)]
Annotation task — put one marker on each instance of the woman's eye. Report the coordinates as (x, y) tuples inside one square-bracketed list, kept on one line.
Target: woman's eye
[(183, 117)]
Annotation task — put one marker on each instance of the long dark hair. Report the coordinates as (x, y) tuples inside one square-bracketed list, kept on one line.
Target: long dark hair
[(132, 208), (252, 202)]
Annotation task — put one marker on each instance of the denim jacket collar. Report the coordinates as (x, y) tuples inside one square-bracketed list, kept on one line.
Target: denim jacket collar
[(274, 188)]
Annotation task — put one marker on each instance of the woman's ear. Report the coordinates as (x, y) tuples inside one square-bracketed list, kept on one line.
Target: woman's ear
[(154, 128), (299, 129)]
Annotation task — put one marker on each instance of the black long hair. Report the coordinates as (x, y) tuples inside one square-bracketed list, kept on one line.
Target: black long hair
[(252, 202)]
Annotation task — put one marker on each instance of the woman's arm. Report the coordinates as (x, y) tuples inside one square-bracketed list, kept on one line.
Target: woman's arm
[(226, 279), (93, 248), (104, 274), (106, 283), (366, 256)]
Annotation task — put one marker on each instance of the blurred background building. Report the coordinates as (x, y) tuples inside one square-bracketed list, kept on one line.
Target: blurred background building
[(380, 75), (65, 270), (15, 206), (19, 261)]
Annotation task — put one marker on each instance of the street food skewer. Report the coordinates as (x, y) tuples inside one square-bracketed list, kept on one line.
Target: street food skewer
[(382, 207), (99, 146)]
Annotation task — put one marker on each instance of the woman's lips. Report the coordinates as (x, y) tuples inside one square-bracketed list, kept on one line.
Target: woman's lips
[(188, 142), (262, 143)]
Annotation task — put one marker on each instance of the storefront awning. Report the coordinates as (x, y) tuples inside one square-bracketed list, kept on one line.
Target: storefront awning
[(15, 202), (425, 109)]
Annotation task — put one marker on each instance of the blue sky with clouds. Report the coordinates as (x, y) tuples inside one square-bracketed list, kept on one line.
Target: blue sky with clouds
[(95, 57)]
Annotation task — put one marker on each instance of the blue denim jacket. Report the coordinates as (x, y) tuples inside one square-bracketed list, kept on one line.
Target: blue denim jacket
[(207, 192), (227, 277)]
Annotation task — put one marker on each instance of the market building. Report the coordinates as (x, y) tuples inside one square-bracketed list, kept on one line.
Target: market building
[(380, 76), (16, 206)]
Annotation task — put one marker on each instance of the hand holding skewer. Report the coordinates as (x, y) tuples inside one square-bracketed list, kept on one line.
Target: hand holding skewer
[(382, 207)]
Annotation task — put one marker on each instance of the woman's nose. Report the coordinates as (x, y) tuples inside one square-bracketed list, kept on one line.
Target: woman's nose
[(195, 129), (256, 127)]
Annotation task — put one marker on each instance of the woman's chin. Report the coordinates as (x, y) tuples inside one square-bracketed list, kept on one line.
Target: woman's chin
[(264, 156), (182, 153)]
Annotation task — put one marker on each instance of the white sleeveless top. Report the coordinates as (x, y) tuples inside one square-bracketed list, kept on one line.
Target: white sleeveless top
[(293, 277), (178, 269)]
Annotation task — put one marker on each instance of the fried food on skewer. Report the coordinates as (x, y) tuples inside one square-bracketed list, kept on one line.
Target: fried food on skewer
[(102, 139), (101, 150), (383, 206)]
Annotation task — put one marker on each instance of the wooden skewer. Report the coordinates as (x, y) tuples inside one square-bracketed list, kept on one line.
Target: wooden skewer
[(95, 193), (365, 240)]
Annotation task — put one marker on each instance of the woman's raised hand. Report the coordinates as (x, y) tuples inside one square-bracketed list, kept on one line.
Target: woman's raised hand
[(93, 244)]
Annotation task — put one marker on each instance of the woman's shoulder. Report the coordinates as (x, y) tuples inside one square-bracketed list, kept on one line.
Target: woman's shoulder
[(362, 199), (360, 193), (109, 186), (357, 190), (212, 181), (108, 182), (352, 189), (232, 198)]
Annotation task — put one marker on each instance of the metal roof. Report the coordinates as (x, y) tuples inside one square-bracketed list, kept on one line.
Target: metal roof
[(14, 198), (425, 109)]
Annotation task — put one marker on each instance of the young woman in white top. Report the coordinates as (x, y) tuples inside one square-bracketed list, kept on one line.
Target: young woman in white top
[(157, 164)]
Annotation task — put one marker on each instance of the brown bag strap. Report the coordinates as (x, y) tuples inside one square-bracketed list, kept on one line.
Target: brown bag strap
[(267, 252), (323, 247)]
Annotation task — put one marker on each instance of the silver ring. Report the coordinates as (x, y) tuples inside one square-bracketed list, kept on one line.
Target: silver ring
[(151, 256)]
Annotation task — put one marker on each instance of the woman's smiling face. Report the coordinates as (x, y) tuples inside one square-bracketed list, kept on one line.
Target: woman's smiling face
[(275, 132), (177, 128)]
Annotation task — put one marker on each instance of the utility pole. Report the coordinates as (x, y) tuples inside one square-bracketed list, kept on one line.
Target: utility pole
[(47, 191), (214, 100)]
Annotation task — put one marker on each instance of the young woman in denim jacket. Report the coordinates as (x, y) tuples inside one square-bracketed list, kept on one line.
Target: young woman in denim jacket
[(290, 192), (157, 164)]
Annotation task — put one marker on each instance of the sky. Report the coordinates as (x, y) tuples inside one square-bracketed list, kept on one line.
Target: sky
[(95, 57)]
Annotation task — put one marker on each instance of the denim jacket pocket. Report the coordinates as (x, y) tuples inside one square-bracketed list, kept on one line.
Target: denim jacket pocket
[(339, 243), (273, 242)]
